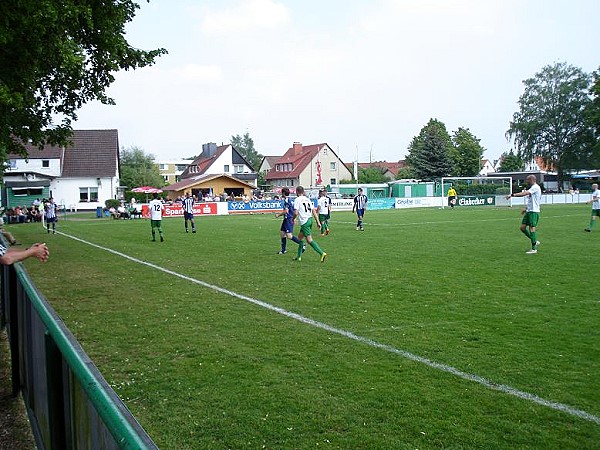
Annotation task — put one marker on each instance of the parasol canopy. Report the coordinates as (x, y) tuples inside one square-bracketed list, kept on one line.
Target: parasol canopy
[(146, 190)]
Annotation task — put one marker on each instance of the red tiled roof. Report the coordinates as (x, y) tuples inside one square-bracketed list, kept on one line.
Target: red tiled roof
[(300, 158)]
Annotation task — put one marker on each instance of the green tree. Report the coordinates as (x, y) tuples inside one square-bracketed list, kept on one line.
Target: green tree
[(406, 173), (511, 162), (550, 122), (245, 145), (465, 154), (592, 117), (429, 152), (139, 169), (371, 175), (54, 57)]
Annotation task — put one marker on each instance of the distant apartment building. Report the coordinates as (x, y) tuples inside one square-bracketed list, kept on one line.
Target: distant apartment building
[(171, 170)]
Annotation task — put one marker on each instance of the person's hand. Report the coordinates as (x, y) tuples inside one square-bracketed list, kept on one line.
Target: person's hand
[(40, 251), (523, 211)]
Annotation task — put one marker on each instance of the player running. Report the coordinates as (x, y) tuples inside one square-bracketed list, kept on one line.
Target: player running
[(303, 210), (287, 226), (324, 211)]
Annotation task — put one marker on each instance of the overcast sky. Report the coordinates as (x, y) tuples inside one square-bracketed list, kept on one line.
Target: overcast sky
[(362, 76)]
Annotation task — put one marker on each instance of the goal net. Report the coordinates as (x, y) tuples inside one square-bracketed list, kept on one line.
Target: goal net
[(477, 191)]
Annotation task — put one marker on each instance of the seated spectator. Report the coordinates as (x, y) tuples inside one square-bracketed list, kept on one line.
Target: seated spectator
[(123, 214), (20, 214), (113, 212)]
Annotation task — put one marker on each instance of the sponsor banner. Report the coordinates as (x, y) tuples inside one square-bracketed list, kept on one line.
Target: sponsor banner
[(342, 204), (477, 200), (417, 202), (176, 210), (380, 203), (258, 206)]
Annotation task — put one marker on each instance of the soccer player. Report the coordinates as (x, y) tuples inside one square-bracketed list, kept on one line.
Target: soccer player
[(303, 210), (50, 215), (452, 197), (531, 212), (156, 210), (360, 206), (188, 212), (595, 201), (287, 226), (324, 211)]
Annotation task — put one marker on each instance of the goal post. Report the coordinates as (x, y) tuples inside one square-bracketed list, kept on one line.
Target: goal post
[(477, 191)]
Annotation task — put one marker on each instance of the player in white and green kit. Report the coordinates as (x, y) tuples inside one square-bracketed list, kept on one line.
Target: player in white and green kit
[(531, 213), (595, 201), (303, 210)]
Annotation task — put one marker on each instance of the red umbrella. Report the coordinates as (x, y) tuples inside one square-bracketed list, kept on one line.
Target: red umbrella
[(146, 190)]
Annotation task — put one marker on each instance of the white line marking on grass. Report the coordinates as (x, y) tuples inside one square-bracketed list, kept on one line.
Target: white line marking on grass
[(516, 219), (410, 356)]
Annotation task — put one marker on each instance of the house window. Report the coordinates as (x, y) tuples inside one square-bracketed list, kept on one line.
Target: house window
[(226, 168), (333, 181), (13, 163), (164, 166), (166, 178), (45, 163), (238, 168), (324, 151), (88, 194), (181, 167), (332, 165)]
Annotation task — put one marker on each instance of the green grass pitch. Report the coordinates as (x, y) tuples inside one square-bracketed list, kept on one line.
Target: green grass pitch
[(201, 368)]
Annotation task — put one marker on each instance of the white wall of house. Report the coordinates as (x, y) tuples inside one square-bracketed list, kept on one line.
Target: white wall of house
[(332, 169), (224, 164), (69, 191), (44, 167)]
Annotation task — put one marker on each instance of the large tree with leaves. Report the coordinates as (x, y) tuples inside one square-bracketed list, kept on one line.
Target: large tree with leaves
[(139, 169), (372, 174), (592, 117), (466, 153), (429, 152), (56, 55), (550, 122), (511, 162), (245, 145)]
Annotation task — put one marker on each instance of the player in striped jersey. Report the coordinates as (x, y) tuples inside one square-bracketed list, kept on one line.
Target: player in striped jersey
[(188, 212), (50, 215), (360, 206)]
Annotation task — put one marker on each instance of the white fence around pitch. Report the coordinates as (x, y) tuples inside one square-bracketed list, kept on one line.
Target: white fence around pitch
[(554, 199)]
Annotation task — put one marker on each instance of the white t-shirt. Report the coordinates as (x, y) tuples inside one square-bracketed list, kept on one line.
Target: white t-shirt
[(323, 205), (156, 207), (596, 203), (534, 198), (304, 207)]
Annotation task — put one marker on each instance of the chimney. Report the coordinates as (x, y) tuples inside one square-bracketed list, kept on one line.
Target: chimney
[(209, 149), (297, 148)]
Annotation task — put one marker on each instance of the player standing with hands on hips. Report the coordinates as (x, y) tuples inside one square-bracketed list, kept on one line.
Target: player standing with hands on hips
[(188, 212), (531, 213), (360, 206), (156, 210)]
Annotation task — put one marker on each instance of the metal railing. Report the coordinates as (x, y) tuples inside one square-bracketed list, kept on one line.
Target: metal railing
[(69, 404)]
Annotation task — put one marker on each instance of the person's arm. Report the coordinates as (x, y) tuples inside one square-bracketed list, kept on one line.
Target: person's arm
[(519, 194), (594, 198), (13, 255), (316, 216)]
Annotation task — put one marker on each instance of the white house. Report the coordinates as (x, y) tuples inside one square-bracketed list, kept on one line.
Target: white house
[(82, 175), (224, 159)]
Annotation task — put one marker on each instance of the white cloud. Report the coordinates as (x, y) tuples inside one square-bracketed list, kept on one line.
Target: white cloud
[(248, 15)]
